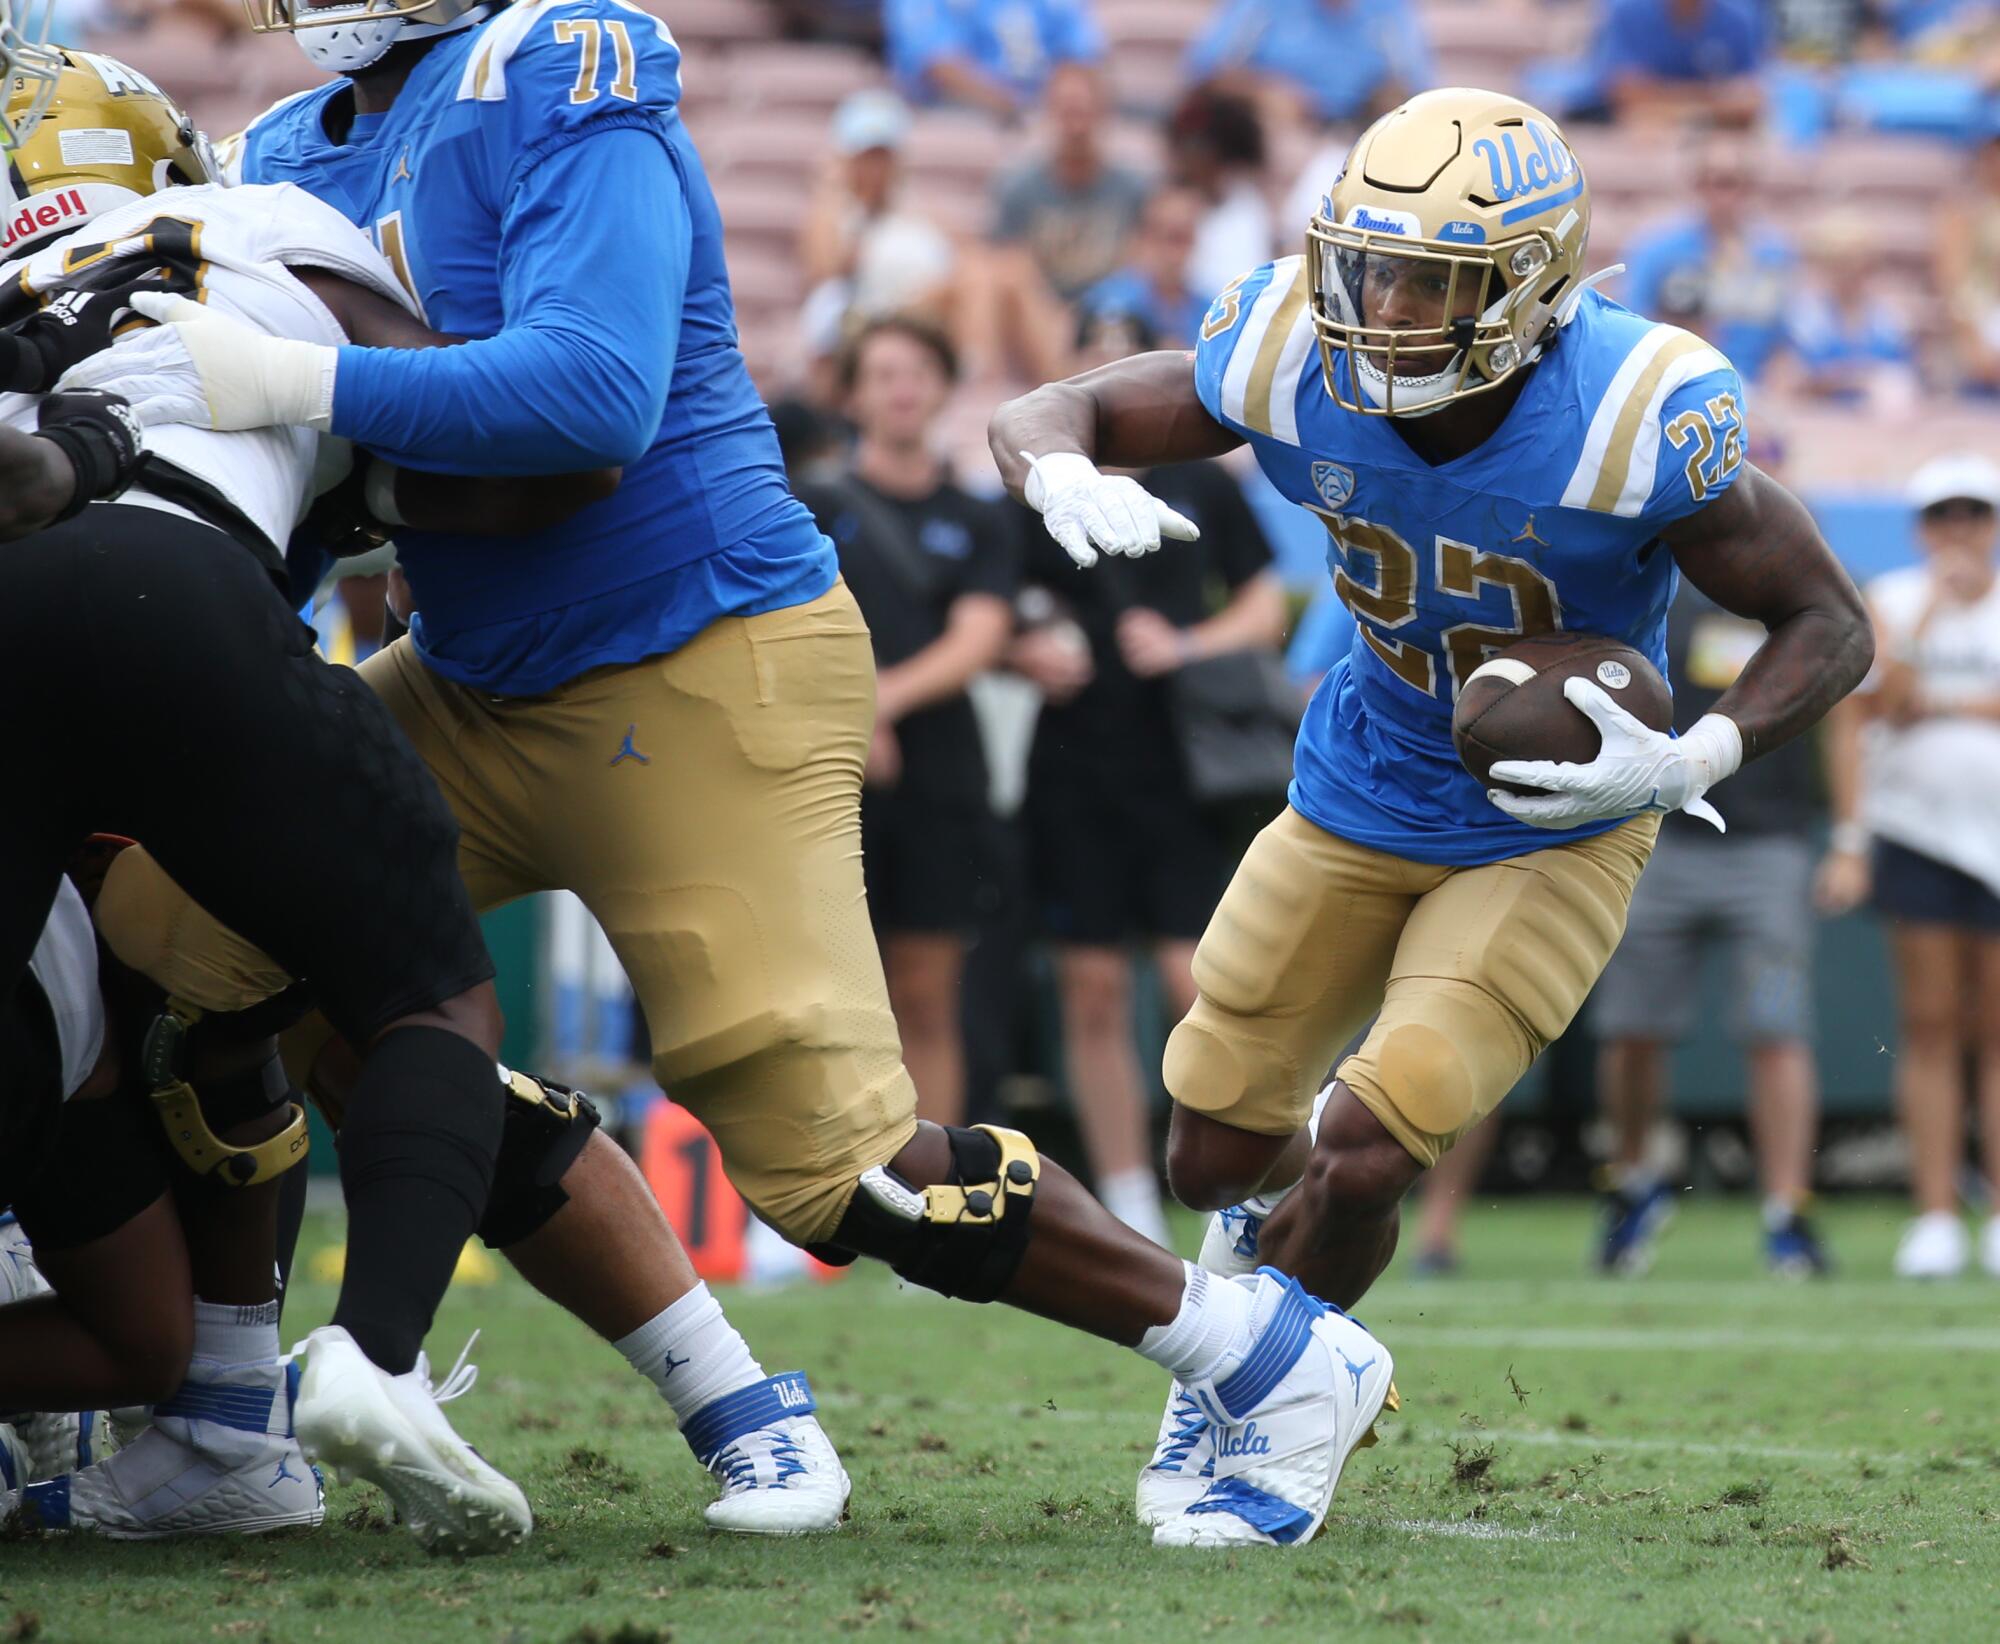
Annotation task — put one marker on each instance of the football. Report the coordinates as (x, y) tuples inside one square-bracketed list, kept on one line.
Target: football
[(1513, 705)]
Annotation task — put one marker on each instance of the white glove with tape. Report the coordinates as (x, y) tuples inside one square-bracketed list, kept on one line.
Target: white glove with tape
[(1089, 512), (201, 367), (1637, 769)]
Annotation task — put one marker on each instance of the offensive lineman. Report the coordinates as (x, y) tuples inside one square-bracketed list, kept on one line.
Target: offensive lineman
[(1494, 450), (221, 1455), (664, 704)]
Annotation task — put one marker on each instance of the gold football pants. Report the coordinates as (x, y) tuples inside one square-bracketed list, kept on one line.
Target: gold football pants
[(705, 806), (1473, 970)]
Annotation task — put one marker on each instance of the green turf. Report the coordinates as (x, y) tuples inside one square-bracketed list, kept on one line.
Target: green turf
[(1705, 1454)]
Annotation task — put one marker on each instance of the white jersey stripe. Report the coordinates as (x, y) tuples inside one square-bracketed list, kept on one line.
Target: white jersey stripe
[(1299, 346), (1250, 343), (1638, 487), (1597, 441)]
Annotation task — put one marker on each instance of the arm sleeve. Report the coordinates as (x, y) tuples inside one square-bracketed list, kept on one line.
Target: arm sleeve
[(1701, 443), (577, 377)]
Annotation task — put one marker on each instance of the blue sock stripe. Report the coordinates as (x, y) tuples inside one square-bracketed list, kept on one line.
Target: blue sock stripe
[(247, 1408), (1259, 1509), (1274, 1353), (761, 1404), (50, 1502)]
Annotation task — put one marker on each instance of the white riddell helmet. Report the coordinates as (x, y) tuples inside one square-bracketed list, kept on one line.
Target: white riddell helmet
[(350, 35), (1447, 249)]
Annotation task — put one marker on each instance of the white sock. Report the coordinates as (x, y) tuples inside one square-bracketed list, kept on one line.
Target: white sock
[(1211, 1329), (1777, 1213), (227, 1336), (691, 1353), (1133, 1196)]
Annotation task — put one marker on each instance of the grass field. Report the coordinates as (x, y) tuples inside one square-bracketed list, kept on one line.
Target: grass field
[(1705, 1454)]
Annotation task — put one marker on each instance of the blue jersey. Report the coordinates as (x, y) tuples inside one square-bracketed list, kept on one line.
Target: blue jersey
[(1622, 427), (535, 189)]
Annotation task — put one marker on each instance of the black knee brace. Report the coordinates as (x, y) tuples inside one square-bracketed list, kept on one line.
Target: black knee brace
[(546, 1128), (962, 1237)]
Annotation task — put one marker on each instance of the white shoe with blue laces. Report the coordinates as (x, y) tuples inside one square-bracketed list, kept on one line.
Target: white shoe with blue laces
[(779, 1473), (220, 1458), (1285, 1419), (1183, 1464)]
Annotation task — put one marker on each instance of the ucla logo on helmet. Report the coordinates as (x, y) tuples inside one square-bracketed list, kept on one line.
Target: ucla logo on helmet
[(1462, 232), (1546, 163), (1334, 482)]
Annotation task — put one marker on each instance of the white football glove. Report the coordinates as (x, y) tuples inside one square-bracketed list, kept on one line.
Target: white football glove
[(1637, 769), (202, 367), (1087, 511)]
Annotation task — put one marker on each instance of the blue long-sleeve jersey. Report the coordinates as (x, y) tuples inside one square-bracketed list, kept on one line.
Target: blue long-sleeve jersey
[(535, 189)]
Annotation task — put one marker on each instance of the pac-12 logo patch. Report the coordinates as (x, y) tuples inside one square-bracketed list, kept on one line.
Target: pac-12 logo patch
[(1334, 482), (1614, 674)]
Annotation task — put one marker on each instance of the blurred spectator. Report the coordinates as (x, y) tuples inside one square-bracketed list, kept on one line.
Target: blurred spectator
[(1124, 855), (1154, 287), (990, 54), (1721, 269), (1215, 146), (1071, 210), (934, 572), (1846, 337), (1061, 223), (1967, 269), (1917, 772), (1683, 59), (843, 22), (1310, 61), (1826, 31), (885, 258), (1748, 894)]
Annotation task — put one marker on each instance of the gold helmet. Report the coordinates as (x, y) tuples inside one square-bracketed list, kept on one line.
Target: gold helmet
[(107, 136), (1445, 251)]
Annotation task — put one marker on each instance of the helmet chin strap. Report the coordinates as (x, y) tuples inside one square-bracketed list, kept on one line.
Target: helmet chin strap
[(364, 39)]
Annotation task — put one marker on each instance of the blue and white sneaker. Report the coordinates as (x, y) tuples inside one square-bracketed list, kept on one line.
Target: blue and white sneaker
[(220, 1458), (1792, 1250), (1634, 1219), (779, 1473), (1183, 1462), (1285, 1420)]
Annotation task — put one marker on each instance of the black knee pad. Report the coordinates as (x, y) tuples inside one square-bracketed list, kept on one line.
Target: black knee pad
[(962, 1237), (106, 1165), (546, 1129)]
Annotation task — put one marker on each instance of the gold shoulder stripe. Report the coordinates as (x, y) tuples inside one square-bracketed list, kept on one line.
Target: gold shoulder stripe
[(1257, 393), (1625, 431)]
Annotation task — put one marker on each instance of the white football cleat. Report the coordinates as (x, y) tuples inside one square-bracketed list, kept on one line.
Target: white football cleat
[(220, 1458), (1934, 1246), (780, 1475), (360, 1421), (1303, 1399)]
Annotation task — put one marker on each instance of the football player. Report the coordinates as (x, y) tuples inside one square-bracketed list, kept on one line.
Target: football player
[(1494, 450), (665, 704), (176, 696), (566, 1205)]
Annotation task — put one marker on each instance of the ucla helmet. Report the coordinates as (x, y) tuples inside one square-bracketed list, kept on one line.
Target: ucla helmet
[(350, 35), (105, 135), (1445, 251)]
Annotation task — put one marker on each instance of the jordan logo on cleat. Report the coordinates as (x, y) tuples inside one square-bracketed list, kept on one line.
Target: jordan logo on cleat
[(1357, 1371), (284, 1472), (670, 1364), (627, 751)]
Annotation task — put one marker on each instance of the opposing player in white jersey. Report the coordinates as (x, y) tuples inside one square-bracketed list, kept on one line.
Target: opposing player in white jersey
[(1494, 450), (590, 1235)]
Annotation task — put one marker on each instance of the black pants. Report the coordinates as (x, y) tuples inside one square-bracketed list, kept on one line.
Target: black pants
[(160, 688)]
